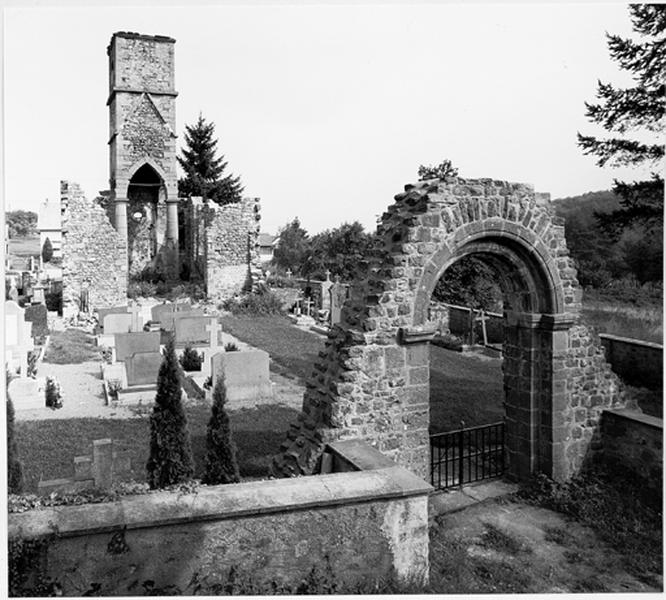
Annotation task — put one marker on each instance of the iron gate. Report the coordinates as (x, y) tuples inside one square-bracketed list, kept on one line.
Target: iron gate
[(466, 455)]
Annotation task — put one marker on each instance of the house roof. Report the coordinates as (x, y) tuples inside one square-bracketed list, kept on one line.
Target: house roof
[(266, 239)]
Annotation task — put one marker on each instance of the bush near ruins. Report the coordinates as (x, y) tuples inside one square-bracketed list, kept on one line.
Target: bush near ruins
[(190, 359), (221, 461), (47, 250), (263, 302), (170, 460), (53, 394)]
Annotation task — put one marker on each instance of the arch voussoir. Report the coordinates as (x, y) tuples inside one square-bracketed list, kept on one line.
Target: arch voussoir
[(372, 381)]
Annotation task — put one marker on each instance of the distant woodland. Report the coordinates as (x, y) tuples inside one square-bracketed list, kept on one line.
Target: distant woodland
[(634, 257), (21, 223)]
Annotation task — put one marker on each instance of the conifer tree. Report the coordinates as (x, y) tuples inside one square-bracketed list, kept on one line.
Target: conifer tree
[(47, 250), (14, 466), (170, 458), (203, 169), (624, 113), (221, 463)]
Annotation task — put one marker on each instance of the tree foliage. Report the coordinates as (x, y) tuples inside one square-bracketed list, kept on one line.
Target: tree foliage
[(47, 250), (469, 282), (221, 462), (170, 460), (631, 116), (292, 247), (21, 223), (14, 466), (443, 170), (204, 170), (340, 251), (603, 259)]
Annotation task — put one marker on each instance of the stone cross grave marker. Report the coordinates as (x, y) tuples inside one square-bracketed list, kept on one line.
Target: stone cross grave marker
[(136, 320), (131, 343), (142, 368), (308, 306), (214, 329), (17, 336), (481, 316)]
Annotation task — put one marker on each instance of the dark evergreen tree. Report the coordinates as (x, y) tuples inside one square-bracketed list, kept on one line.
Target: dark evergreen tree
[(292, 247), (635, 110), (14, 466), (203, 169), (443, 170), (221, 463), (47, 250), (170, 458)]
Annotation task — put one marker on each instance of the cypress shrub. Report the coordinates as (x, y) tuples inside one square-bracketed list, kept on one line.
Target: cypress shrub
[(14, 466), (170, 460), (221, 463)]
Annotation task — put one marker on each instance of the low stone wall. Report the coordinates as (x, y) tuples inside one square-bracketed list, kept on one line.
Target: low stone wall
[(634, 440), (637, 362), (365, 524)]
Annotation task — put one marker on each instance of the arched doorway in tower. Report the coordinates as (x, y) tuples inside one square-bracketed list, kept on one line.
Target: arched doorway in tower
[(146, 221)]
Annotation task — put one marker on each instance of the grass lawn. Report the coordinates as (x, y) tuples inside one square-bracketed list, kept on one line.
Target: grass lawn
[(28, 246), (47, 448), (461, 387), (70, 347)]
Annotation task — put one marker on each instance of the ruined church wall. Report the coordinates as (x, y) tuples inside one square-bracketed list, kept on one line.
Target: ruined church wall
[(92, 251), (232, 260)]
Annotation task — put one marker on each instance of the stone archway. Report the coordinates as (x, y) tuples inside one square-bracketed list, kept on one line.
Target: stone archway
[(373, 378)]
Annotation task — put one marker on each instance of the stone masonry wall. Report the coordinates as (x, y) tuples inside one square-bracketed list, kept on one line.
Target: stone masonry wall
[(372, 379), (92, 251), (362, 525), (232, 248), (637, 362), (635, 441)]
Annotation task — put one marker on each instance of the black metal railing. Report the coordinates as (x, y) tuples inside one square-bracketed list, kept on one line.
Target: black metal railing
[(466, 455)]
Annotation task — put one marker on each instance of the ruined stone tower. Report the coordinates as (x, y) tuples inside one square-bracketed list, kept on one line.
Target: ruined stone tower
[(142, 146)]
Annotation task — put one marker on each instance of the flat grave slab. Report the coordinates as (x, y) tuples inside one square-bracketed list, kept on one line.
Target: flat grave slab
[(127, 344)]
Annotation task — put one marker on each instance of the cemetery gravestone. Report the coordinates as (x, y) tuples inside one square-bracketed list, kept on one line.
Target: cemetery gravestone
[(27, 393), (338, 294), (114, 310), (143, 367), (163, 313), (191, 329), (117, 323), (132, 343), (246, 376), (18, 340)]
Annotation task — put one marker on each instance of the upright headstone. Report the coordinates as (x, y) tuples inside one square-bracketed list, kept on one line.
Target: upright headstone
[(131, 343), (143, 367), (114, 310), (27, 393), (18, 340), (163, 312), (117, 323), (246, 376), (338, 294), (191, 329), (214, 329), (325, 292)]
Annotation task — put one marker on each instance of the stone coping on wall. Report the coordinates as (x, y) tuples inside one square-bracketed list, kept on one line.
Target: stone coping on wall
[(633, 341), (215, 503), (634, 415)]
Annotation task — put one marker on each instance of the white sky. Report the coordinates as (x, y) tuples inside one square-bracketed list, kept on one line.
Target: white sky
[(325, 111)]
